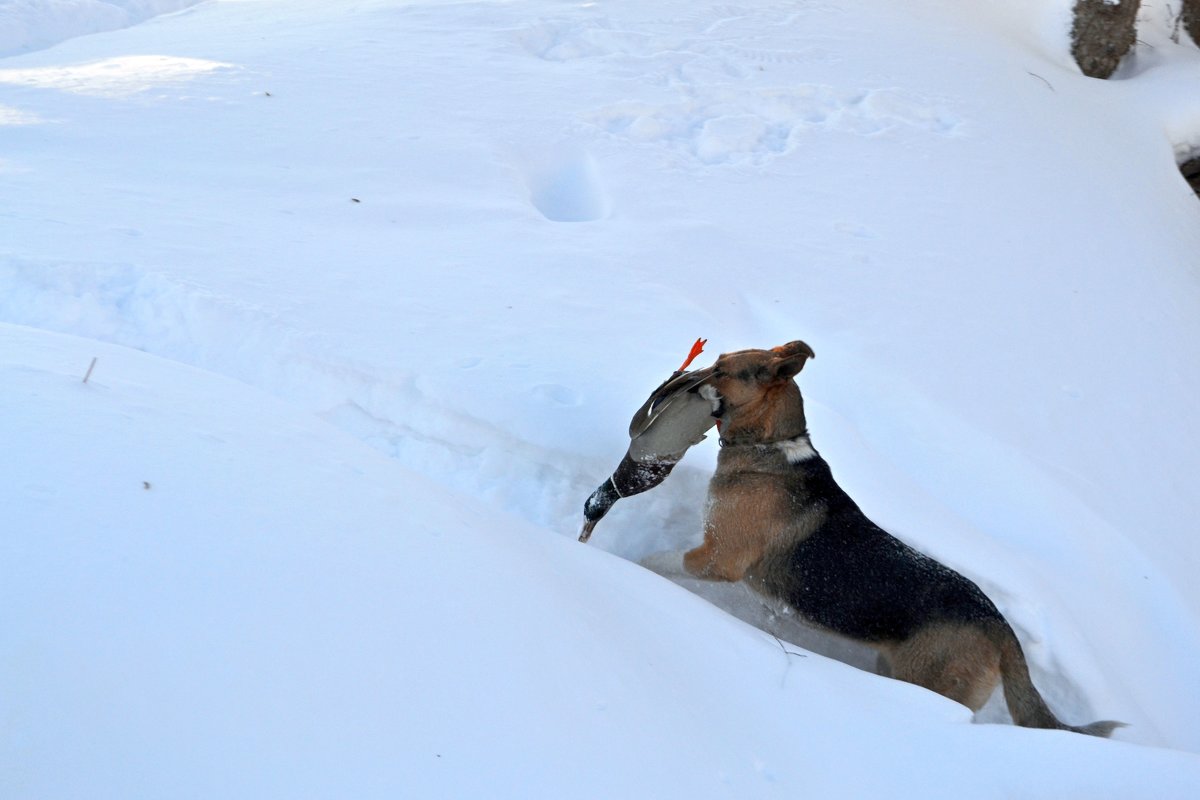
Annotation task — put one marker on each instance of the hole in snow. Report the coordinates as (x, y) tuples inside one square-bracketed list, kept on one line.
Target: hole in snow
[(565, 187)]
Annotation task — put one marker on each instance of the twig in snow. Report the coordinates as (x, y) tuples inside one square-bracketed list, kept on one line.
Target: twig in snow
[(91, 367), (783, 647), (786, 652), (1043, 80)]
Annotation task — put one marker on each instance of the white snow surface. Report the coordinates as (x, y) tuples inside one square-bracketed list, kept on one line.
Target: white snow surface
[(373, 288), (27, 25)]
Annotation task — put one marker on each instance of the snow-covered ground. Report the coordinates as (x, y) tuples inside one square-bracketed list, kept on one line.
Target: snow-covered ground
[(400, 272), (27, 25)]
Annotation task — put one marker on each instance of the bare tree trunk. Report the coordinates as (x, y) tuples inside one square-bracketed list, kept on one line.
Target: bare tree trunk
[(1191, 19), (1191, 173), (1104, 31)]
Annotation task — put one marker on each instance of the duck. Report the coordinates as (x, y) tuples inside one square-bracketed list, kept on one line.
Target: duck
[(674, 417)]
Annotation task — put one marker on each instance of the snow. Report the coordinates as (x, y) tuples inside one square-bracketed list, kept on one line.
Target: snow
[(34, 24), (374, 288)]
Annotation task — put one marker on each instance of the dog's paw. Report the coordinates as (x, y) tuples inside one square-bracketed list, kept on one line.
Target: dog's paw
[(668, 563)]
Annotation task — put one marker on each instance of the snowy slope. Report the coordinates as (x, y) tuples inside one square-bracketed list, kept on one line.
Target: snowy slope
[(475, 235), (208, 593), (27, 25)]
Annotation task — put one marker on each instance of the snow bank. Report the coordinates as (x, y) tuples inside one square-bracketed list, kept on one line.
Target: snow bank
[(27, 25)]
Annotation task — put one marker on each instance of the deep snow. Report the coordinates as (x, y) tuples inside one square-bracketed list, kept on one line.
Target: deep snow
[(474, 236), (27, 25), (214, 594)]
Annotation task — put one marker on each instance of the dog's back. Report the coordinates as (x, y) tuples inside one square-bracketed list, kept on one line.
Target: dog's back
[(850, 576)]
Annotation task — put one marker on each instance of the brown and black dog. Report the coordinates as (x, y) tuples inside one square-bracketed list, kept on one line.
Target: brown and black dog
[(776, 519)]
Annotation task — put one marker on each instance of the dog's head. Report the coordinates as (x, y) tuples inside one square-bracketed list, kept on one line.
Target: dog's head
[(754, 395)]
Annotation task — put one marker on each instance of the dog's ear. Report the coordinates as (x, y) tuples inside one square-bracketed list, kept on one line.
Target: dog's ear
[(790, 358)]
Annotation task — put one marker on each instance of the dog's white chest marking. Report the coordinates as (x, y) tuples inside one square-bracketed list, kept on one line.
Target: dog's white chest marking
[(797, 450)]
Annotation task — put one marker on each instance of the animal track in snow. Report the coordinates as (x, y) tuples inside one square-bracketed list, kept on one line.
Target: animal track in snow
[(732, 125), (553, 394), (735, 29), (570, 40), (717, 60)]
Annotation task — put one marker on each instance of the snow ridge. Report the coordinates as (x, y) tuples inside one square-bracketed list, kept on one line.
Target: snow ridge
[(28, 25)]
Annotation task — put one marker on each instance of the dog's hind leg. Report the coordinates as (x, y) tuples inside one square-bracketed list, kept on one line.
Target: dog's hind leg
[(957, 661)]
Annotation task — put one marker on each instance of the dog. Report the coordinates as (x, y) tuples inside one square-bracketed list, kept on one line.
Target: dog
[(776, 519)]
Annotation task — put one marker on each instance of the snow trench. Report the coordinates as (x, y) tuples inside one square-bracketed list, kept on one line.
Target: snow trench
[(148, 311), (151, 312)]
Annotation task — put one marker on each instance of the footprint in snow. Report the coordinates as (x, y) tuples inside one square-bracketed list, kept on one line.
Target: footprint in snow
[(554, 394), (565, 186)]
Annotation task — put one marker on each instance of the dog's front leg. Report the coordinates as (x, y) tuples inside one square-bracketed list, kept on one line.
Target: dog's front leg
[(706, 563), (667, 563), (729, 546), (697, 563)]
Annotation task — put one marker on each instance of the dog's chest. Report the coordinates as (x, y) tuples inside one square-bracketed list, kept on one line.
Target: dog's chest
[(758, 501)]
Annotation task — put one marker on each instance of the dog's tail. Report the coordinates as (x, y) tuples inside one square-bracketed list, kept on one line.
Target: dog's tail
[(1025, 703)]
